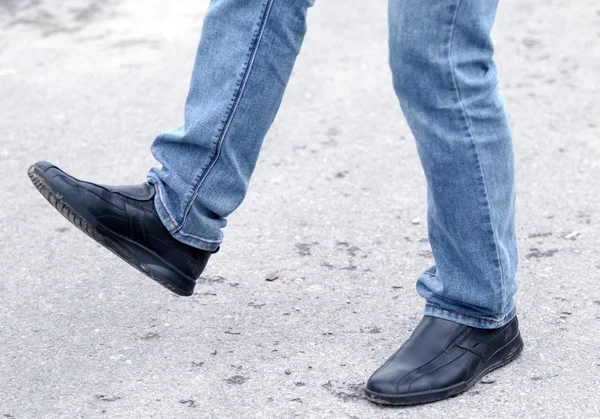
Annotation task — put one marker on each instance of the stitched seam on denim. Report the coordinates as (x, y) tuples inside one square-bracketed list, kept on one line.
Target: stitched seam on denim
[(433, 306), (485, 189), (180, 233), (166, 209), (254, 47)]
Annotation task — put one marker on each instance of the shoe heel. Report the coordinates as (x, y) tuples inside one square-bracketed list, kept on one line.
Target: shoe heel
[(507, 354), (169, 279)]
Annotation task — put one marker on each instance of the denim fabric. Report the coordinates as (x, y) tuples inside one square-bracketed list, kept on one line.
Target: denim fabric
[(441, 57), (446, 80), (244, 61)]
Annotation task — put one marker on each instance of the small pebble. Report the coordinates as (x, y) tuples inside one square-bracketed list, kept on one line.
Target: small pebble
[(572, 236)]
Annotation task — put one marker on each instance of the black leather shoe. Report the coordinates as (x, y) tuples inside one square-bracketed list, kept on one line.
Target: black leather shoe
[(442, 359), (123, 219)]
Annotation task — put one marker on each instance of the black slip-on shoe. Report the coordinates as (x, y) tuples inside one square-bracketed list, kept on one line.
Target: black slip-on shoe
[(442, 359), (123, 219)]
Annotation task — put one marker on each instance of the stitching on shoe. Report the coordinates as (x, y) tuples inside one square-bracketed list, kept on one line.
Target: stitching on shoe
[(434, 370), (457, 338)]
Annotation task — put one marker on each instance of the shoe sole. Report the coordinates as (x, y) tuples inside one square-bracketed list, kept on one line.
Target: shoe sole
[(445, 393), (136, 255)]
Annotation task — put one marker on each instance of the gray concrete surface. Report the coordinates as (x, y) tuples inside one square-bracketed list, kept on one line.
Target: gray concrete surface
[(88, 84)]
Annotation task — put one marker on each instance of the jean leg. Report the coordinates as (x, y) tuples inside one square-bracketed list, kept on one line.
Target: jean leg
[(441, 57), (243, 63)]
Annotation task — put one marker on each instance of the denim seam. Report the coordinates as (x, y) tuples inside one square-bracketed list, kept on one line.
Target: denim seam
[(487, 320), (172, 222), (470, 131), (249, 66), (191, 236)]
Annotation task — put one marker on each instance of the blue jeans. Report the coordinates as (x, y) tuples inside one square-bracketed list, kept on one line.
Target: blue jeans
[(441, 57)]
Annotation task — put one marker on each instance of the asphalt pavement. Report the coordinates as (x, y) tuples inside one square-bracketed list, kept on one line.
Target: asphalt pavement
[(336, 212)]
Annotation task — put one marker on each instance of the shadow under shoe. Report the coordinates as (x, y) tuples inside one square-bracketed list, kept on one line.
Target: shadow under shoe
[(442, 359), (123, 219)]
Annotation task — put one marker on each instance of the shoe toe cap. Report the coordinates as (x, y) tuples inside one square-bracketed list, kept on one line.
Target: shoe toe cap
[(42, 166), (49, 171), (380, 386), (386, 384)]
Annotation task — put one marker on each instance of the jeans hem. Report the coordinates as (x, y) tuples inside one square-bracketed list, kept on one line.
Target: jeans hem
[(169, 223), (469, 320)]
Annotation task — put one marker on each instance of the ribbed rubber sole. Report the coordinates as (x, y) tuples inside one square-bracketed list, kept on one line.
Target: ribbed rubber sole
[(134, 254), (441, 394)]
